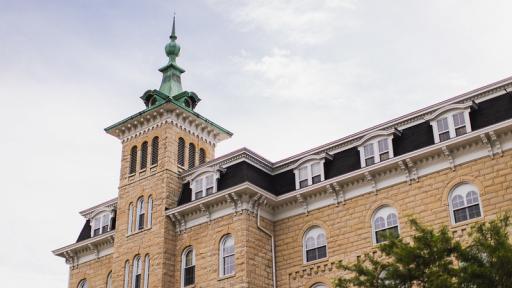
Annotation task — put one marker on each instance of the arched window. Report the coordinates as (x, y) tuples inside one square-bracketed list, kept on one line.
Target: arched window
[(191, 155), (146, 271), (202, 156), (100, 224), (130, 218), (136, 272), (181, 151), (139, 221), (109, 280), (319, 285), (144, 155), (150, 211), (464, 203), (188, 267), (385, 222), (126, 274), (133, 159), (314, 244), (154, 150), (227, 256), (83, 284)]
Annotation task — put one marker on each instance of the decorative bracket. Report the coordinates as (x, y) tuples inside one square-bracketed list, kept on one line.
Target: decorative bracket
[(405, 171), (179, 222), (303, 202), (496, 143), (332, 192), (371, 180), (339, 192), (412, 168), (205, 211), (449, 156), (95, 249), (238, 202), (253, 203), (487, 144)]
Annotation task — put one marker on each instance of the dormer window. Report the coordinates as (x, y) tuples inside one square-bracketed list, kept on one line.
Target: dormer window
[(310, 170), (100, 224), (451, 121), (203, 186), (376, 150)]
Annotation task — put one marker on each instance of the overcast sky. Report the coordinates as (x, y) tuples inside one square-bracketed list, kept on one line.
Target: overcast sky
[(284, 76)]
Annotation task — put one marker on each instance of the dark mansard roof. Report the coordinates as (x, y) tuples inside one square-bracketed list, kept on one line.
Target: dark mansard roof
[(415, 137)]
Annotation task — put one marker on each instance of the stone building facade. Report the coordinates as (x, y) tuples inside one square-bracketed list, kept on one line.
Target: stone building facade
[(184, 218)]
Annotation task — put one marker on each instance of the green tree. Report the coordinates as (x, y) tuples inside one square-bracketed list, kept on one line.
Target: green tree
[(424, 261), (487, 261)]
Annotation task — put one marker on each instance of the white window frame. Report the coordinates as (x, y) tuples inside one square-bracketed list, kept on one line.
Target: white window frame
[(100, 216), (309, 170), (83, 284), (139, 212), (126, 274), (374, 142), (184, 262), (451, 125), (384, 211), (136, 270), (109, 280), (463, 189), (319, 285), (222, 256), (150, 211), (202, 178), (146, 271), (130, 218), (314, 231)]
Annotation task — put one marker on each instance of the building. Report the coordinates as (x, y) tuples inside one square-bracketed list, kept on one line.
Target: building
[(184, 218)]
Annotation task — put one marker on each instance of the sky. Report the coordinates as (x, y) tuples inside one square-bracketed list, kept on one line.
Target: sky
[(283, 76)]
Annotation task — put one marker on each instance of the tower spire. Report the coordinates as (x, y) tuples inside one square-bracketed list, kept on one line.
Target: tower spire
[(171, 81)]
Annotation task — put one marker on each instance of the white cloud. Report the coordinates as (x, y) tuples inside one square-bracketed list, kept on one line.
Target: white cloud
[(304, 21)]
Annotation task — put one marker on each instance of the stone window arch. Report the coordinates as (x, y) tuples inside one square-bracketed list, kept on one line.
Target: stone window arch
[(227, 255), (136, 272), (144, 155), (188, 267), (133, 160), (314, 244), (154, 150), (464, 203), (384, 222), (83, 284), (191, 155)]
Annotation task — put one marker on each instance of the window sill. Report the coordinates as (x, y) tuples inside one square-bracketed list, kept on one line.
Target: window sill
[(314, 262), (138, 231), (466, 223), (189, 286), (226, 277)]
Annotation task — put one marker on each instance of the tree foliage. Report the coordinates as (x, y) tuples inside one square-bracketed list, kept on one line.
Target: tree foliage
[(433, 259)]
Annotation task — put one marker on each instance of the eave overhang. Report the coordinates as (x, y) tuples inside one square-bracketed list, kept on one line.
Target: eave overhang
[(93, 245)]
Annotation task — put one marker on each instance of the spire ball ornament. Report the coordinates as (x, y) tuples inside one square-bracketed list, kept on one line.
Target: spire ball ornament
[(172, 49)]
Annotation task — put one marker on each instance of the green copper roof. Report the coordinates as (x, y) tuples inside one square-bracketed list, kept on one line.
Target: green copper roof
[(171, 79), (168, 99)]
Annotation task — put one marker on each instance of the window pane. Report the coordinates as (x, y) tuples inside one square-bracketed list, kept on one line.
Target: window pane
[(321, 252), (383, 145), (460, 215), (473, 211), (369, 161), (189, 277), (458, 119), (457, 201), (471, 198), (229, 265), (199, 194), (379, 223), (189, 258), (303, 173), (311, 255), (442, 125), (368, 150), (144, 155), (320, 239), (191, 155), (209, 180), (96, 232), (133, 160), (141, 221), (303, 183), (209, 190), (316, 179), (384, 156), (460, 131), (444, 136), (181, 151), (154, 150), (315, 169), (392, 220), (310, 243)]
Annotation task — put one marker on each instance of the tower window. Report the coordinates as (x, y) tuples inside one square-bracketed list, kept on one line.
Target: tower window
[(130, 218), (126, 274), (150, 211), (202, 156), (188, 273), (144, 155), (181, 151), (136, 273), (140, 214), (191, 155), (133, 159), (154, 150), (146, 271)]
